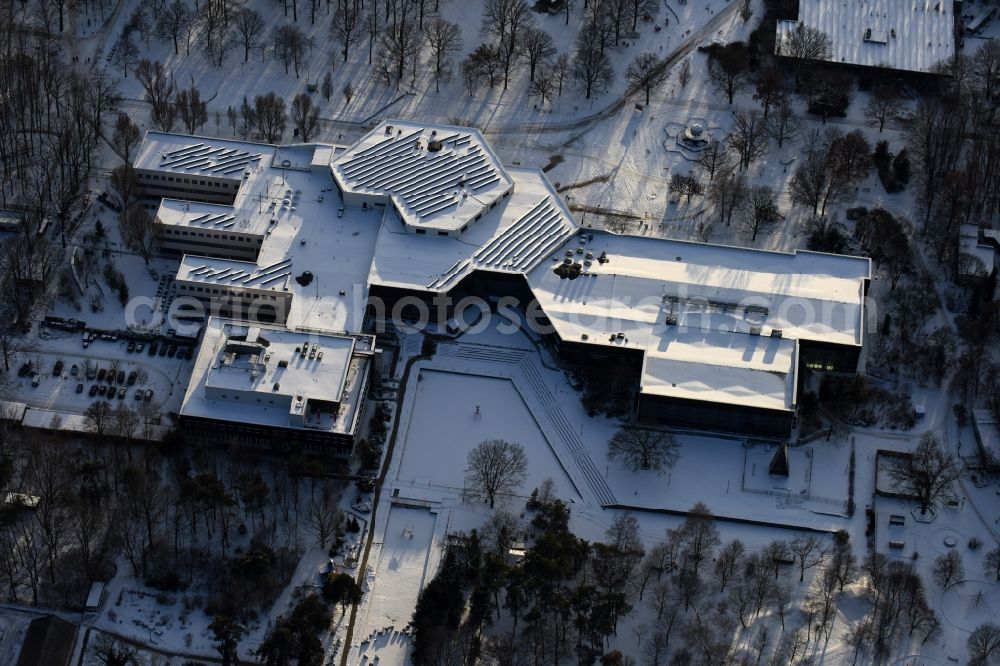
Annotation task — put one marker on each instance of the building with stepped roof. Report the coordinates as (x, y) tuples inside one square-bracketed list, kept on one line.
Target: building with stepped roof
[(413, 218)]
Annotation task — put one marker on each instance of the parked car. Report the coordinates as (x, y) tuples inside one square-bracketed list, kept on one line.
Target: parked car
[(101, 374), (121, 393), (148, 396), (74, 370), (138, 347), (57, 369), (121, 376), (189, 353), (131, 346), (79, 388), (102, 389), (138, 394), (111, 393), (111, 376), (132, 376), (163, 350), (93, 390), (91, 372), (152, 348), (172, 351)]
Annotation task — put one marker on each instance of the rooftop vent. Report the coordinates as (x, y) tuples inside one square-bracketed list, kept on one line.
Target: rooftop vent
[(276, 386), (282, 363), (434, 146), (776, 333)]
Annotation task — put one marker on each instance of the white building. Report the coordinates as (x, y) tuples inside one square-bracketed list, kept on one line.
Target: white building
[(906, 35), (320, 237), (266, 385)]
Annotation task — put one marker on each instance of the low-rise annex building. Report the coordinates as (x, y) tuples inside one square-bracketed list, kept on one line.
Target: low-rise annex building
[(714, 337), (260, 385)]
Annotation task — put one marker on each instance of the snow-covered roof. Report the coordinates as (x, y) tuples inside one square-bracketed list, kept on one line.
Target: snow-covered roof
[(211, 217), (288, 200), (799, 295), (722, 367), (514, 237), (219, 158), (237, 274), (911, 35), (988, 434), (981, 253), (438, 177), (269, 375)]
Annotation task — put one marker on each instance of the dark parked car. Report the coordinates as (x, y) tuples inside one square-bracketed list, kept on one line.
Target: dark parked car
[(102, 390), (93, 390), (121, 376), (132, 376), (101, 373), (57, 369), (152, 348), (131, 346), (79, 388), (163, 350), (172, 351)]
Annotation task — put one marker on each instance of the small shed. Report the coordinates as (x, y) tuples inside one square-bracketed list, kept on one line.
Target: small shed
[(94, 597)]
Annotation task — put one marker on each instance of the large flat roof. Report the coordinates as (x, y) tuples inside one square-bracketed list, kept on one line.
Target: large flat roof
[(438, 176), (263, 361), (803, 295), (721, 367), (911, 35)]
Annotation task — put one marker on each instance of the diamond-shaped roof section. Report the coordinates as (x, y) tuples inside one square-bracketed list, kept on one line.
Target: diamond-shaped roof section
[(439, 178)]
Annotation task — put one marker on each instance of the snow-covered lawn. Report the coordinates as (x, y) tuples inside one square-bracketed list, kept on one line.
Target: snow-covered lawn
[(443, 428)]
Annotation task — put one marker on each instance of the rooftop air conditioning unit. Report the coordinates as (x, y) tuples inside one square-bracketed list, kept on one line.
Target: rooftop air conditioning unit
[(755, 330), (276, 386), (776, 333)]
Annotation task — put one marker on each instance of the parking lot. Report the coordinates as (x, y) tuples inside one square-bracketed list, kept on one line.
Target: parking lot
[(64, 375)]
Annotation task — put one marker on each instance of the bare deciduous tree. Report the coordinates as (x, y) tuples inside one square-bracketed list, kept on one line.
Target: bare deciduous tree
[(174, 19), (643, 449), (250, 29), (444, 40), (646, 73), (749, 137), (928, 474), (948, 569), (537, 46), (305, 117), (728, 194), (269, 116), (125, 138), (591, 67), (761, 209), (984, 644), (191, 109), (808, 553), (728, 69), (347, 28), (884, 106), (496, 467)]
